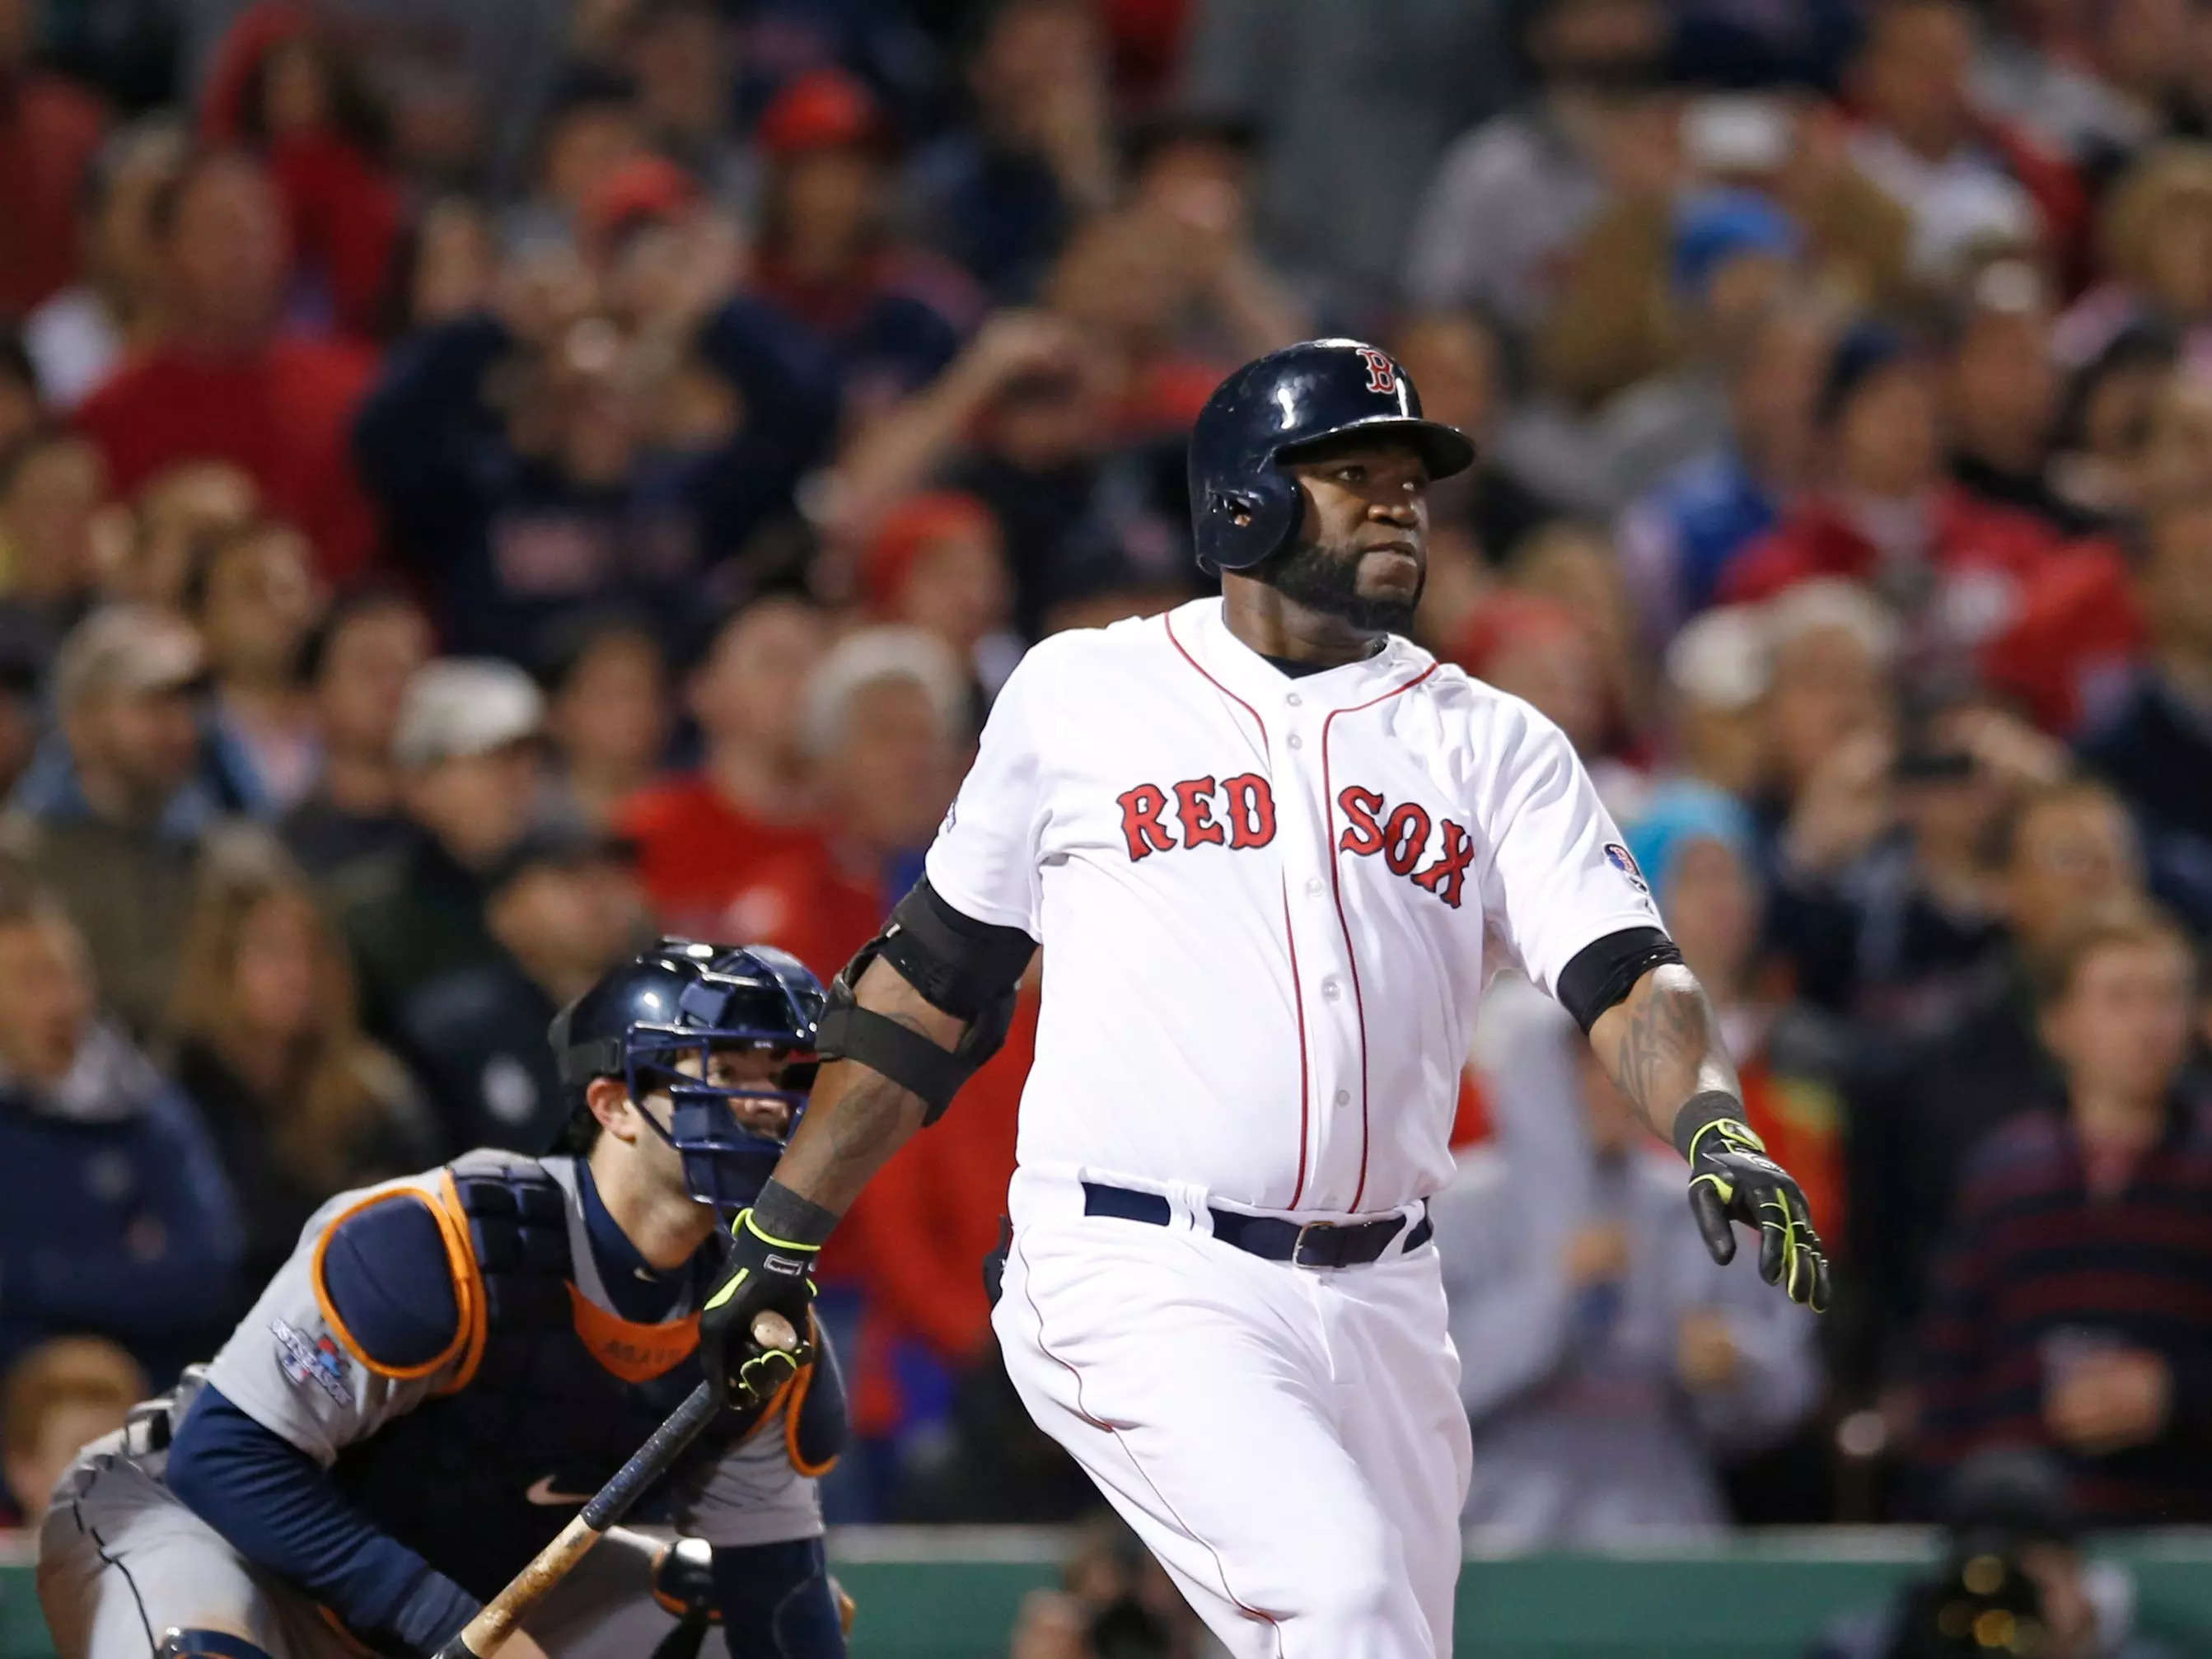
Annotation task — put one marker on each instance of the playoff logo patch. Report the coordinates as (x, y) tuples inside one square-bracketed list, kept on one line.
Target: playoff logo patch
[(1621, 859), (319, 1361)]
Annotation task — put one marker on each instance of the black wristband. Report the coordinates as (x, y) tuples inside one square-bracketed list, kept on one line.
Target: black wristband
[(781, 1213), (1699, 1110)]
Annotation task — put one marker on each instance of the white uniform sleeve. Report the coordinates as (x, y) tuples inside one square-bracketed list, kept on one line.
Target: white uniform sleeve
[(1559, 877), (984, 862)]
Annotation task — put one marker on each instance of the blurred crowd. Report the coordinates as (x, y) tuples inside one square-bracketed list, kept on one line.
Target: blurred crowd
[(480, 484)]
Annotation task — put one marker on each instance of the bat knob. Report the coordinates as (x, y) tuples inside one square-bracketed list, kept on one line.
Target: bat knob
[(772, 1331)]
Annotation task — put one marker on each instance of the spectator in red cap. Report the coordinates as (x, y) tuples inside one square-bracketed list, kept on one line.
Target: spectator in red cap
[(892, 314), (223, 382), (49, 129), (938, 562), (633, 195), (664, 256), (281, 89), (589, 127)]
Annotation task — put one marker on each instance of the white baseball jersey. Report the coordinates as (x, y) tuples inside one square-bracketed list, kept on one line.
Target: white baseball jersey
[(1268, 905)]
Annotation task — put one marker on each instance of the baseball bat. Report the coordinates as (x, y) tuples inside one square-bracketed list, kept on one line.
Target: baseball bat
[(484, 1635)]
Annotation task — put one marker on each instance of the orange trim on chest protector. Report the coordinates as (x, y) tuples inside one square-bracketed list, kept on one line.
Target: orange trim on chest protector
[(633, 1352)]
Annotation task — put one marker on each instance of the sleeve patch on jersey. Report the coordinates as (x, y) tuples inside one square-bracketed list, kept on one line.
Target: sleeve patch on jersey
[(318, 1360), (1625, 861)]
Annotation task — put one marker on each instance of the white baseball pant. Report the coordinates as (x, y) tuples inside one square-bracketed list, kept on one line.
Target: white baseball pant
[(1288, 1442)]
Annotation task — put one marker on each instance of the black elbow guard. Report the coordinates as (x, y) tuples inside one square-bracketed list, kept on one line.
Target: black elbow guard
[(960, 966)]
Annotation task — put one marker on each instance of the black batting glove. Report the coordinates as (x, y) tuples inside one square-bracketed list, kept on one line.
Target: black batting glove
[(1732, 1179), (761, 1273)]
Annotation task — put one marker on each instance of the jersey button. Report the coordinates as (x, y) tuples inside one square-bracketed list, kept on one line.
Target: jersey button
[(1313, 888), (1344, 1096), (1294, 700), (1296, 741), (1331, 989)]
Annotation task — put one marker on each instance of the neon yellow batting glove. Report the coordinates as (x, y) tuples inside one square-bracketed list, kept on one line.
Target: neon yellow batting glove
[(761, 1273), (1732, 1179)]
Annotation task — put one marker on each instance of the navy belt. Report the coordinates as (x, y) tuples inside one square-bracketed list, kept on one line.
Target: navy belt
[(1312, 1244)]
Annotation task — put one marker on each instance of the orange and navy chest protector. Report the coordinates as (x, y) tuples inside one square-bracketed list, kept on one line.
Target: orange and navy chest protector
[(547, 1391)]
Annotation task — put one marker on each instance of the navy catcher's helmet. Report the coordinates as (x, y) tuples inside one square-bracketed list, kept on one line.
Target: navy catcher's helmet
[(1287, 401), (685, 999)]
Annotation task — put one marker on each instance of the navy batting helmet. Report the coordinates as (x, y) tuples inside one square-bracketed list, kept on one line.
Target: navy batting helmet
[(1285, 402), (685, 999)]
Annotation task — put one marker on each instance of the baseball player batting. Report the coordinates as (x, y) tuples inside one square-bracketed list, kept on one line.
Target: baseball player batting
[(451, 1363), (1271, 849)]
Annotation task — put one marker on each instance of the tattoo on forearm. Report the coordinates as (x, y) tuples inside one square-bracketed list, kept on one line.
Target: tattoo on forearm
[(1665, 1040), (1668, 1046)]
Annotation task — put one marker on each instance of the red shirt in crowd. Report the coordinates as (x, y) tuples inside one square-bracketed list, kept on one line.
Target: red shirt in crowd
[(343, 215), (805, 901), (2043, 618), (48, 132), (697, 852), (283, 415), (342, 209)]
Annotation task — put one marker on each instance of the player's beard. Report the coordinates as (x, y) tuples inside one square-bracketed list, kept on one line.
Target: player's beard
[(1327, 580)]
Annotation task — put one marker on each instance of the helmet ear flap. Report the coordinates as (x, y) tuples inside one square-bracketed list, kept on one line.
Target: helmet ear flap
[(1268, 507)]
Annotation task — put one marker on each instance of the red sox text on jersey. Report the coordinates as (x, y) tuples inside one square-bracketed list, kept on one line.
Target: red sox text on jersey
[(1399, 834)]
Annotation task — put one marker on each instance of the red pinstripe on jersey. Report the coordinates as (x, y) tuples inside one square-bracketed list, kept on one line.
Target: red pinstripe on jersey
[(1298, 998), (1336, 891)]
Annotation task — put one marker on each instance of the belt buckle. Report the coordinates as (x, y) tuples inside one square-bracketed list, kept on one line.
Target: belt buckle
[(1299, 1257)]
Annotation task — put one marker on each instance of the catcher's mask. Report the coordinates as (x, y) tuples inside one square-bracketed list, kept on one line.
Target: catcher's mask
[(706, 1004)]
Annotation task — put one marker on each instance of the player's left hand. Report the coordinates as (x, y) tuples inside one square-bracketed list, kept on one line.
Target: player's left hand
[(761, 1274), (1732, 1179)]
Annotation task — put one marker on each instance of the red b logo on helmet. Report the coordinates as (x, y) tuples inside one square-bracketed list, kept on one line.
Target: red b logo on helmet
[(1382, 373)]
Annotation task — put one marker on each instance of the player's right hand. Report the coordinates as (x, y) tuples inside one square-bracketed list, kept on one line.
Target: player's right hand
[(1732, 1179), (761, 1274)]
